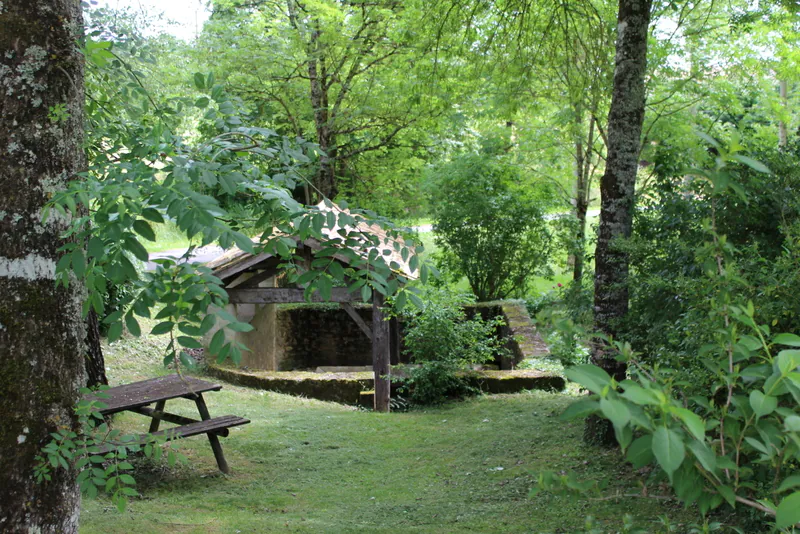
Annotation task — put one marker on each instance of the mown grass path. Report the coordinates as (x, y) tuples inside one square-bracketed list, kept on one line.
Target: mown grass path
[(309, 466)]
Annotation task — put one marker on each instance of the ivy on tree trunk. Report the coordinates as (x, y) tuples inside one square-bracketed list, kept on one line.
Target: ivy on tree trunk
[(41, 331), (625, 119)]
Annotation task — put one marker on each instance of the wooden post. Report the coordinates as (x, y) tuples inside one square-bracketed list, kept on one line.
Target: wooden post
[(212, 437), (380, 354), (154, 424), (394, 341)]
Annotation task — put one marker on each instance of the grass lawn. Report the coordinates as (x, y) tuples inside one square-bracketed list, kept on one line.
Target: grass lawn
[(303, 465)]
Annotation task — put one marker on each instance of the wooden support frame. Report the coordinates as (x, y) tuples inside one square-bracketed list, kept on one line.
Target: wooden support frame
[(253, 281), (381, 350), (212, 438), (346, 306), (282, 295), (394, 340)]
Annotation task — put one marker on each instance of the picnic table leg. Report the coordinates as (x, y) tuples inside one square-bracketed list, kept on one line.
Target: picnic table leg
[(154, 424), (212, 438)]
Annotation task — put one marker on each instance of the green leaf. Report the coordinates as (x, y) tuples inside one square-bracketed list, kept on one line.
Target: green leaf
[(590, 377), (788, 512), (788, 360), (189, 342), (114, 332), (366, 293), (640, 452), (762, 404), (616, 412), (580, 409), (728, 494), (639, 395), (704, 455), (668, 449), (216, 342), (132, 245), (791, 340), (199, 81), (207, 323), (202, 102), (78, 262), (692, 421), (792, 423), (757, 445), (710, 140), (144, 229), (240, 327), (152, 215), (753, 164), (789, 482), (96, 248), (133, 325), (162, 328)]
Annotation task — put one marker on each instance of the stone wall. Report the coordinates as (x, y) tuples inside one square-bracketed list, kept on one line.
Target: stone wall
[(311, 336), (307, 336)]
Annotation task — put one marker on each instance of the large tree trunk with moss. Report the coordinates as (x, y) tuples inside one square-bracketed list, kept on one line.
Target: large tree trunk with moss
[(41, 331), (617, 191)]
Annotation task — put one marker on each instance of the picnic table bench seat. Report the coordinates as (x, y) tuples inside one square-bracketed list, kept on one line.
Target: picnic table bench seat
[(137, 396), (217, 425)]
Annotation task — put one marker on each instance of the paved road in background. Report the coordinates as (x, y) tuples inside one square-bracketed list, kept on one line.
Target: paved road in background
[(200, 255), (208, 253)]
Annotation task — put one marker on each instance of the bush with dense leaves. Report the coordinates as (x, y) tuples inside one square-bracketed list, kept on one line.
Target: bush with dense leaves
[(738, 440), (490, 226), (444, 343), (670, 316)]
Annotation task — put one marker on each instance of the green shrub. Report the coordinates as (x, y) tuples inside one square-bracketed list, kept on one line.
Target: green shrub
[(443, 344), (737, 441), (490, 226), (670, 316)]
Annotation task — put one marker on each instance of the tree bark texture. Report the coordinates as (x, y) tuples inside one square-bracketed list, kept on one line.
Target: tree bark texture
[(41, 331), (325, 181), (94, 362), (583, 177), (617, 185)]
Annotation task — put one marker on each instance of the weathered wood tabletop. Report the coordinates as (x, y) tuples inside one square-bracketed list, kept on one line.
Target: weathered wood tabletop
[(137, 396)]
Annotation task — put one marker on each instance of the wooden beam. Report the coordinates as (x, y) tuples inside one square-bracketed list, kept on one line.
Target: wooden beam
[(256, 279), (282, 295), (346, 306), (242, 265), (381, 350)]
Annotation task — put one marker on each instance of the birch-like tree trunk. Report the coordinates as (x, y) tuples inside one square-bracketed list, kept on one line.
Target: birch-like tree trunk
[(625, 119), (41, 331)]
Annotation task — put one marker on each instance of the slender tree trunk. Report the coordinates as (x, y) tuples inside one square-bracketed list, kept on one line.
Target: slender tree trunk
[(325, 181), (617, 190), (783, 136), (94, 362), (41, 331), (583, 188)]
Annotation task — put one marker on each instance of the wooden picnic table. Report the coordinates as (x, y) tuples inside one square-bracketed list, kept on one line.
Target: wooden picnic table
[(138, 396)]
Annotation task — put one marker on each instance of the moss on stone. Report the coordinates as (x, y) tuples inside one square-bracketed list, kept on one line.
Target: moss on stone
[(353, 388)]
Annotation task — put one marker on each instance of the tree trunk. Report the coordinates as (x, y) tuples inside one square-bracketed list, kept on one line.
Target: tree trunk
[(325, 181), (583, 186), (617, 191), (783, 136), (94, 362), (41, 331)]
